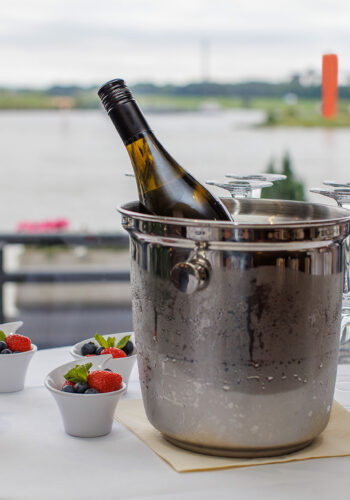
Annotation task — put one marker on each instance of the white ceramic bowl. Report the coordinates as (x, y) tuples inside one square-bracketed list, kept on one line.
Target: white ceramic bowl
[(123, 366), (12, 327), (84, 415), (13, 369)]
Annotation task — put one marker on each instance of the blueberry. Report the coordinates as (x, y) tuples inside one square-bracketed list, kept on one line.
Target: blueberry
[(89, 348), (107, 369), (91, 390), (128, 348), (3, 345), (68, 388), (99, 350), (81, 387), (6, 351)]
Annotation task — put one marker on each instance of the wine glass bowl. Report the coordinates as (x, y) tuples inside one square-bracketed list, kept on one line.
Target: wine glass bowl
[(337, 184), (258, 177), (241, 188), (340, 195)]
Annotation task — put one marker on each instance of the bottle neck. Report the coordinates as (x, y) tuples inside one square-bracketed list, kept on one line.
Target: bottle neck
[(129, 121)]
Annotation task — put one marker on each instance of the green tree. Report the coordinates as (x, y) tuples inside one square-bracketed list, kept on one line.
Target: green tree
[(291, 188)]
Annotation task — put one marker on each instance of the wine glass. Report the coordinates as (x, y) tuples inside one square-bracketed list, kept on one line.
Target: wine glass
[(258, 177), (336, 184), (341, 194), (241, 188)]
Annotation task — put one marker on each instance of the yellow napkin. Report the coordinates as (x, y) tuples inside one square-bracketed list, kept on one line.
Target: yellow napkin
[(333, 442)]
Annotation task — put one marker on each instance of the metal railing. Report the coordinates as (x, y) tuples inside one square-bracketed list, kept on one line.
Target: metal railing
[(116, 241)]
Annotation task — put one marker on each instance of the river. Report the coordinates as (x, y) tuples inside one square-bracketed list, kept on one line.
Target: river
[(72, 163)]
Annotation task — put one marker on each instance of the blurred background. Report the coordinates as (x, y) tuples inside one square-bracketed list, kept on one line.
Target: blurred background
[(230, 86)]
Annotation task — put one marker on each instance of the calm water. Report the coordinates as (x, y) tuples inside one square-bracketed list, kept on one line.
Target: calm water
[(72, 163)]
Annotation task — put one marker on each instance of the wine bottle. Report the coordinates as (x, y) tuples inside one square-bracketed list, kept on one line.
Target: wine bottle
[(164, 187)]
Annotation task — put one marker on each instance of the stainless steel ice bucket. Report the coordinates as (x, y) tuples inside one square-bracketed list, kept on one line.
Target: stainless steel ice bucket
[(237, 325)]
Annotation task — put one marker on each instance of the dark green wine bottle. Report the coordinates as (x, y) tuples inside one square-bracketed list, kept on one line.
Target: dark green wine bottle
[(164, 187)]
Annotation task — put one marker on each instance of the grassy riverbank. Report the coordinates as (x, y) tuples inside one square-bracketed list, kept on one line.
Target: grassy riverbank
[(279, 112), (302, 113)]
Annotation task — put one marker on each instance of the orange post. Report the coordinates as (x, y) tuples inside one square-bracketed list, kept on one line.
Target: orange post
[(329, 85)]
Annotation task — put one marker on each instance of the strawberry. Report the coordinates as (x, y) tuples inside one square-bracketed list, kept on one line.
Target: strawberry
[(116, 353), (17, 342), (110, 342), (68, 382), (105, 381)]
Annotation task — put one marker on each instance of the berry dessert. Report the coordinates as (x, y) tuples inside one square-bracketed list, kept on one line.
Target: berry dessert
[(14, 343), (123, 348), (80, 381)]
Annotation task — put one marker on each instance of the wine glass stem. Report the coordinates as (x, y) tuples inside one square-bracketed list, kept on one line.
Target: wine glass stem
[(256, 193)]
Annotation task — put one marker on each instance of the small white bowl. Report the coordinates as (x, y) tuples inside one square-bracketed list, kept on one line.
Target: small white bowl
[(13, 369), (84, 415), (12, 327), (123, 366)]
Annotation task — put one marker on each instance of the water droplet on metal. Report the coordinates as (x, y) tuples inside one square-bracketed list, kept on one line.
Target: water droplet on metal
[(295, 375), (256, 365), (155, 338), (284, 377), (305, 380), (173, 360), (226, 387), (269, 379), (309, 414), (321, 365), (263, 387), (253, 377)]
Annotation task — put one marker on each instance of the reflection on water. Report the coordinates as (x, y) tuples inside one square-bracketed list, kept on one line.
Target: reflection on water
[(72, 163)]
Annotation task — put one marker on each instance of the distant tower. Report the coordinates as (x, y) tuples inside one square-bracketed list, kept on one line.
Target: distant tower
[(205, 60), (329, 85)]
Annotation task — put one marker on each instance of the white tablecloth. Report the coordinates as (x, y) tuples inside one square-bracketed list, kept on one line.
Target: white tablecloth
[(39, 461)]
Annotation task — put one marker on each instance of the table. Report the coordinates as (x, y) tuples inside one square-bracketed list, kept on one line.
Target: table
[(39, 461)]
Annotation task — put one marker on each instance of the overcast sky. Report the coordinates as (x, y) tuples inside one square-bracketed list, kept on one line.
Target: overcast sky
[(89, 41)]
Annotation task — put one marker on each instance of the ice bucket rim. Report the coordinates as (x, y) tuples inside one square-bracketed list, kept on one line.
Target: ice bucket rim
[(335, 227), (337, 215)]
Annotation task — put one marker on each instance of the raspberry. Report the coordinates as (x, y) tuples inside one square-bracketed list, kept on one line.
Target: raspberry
[(19, 343), (105, 381), (116, 353)]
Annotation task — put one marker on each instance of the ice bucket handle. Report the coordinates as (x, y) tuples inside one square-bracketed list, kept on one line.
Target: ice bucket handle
[(191, 276)]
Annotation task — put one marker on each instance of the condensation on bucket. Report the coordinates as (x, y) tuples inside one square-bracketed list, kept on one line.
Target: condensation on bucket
[(249, 362)]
